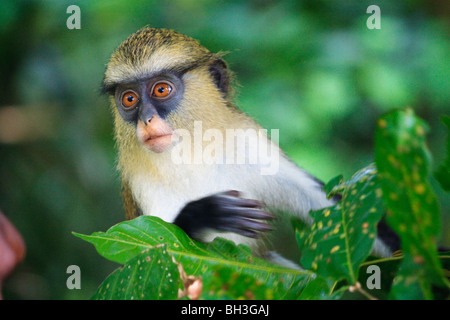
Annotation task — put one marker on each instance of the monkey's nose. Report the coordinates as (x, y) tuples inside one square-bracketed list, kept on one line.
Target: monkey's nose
[(147, 114)]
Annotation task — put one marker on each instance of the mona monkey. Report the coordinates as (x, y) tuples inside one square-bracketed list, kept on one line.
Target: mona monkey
[(161, 81)]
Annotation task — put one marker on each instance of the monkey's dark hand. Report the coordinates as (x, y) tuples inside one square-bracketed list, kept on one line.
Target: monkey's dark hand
[(226, 212)]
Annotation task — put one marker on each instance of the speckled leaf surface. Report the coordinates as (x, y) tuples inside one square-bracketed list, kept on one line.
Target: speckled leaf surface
[(342, 236), (413, 210), (150, 275)]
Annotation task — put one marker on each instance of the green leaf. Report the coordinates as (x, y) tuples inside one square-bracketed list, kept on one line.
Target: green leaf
[(442, 174), (226, 283), (413, 210), (342, 236), (127, 239), (329, 187), (320, 289), (150, 275)]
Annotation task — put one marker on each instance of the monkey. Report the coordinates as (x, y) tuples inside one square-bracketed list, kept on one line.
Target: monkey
[(164, 88)]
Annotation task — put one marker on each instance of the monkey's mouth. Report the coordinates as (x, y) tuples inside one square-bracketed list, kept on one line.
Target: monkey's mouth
[(158, 137), (158, 143)]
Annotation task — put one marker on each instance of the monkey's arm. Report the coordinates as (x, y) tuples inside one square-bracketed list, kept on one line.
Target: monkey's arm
[(225, 212), (132, 210)]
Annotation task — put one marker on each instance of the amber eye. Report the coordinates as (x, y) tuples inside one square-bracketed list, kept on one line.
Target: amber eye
[(129, 99), (161, 90)]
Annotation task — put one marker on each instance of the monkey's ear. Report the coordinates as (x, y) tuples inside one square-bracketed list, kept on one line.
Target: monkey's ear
[(220, 74)]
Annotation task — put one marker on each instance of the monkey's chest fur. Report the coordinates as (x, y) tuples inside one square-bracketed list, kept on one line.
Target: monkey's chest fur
[(165, 194), (165, 197)]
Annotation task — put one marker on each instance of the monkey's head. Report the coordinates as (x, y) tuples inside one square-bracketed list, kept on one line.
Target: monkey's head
[(160, 80)]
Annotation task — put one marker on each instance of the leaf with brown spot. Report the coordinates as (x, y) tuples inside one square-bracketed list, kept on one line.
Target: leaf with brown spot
[(341, 236), (403, 162)]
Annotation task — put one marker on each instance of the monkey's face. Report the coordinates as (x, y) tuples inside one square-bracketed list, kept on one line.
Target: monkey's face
[(147, 103), (159, 78)]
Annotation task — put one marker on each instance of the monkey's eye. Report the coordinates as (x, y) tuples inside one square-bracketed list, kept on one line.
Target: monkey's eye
[(162, 90), (129, 99)]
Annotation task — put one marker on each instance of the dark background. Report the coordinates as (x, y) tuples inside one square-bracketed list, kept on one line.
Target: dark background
[(309, 68)]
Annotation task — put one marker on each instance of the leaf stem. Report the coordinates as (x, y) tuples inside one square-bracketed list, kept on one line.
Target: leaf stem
[(357, 287)]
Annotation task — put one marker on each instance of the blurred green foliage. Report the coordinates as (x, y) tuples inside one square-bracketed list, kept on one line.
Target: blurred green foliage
[(309, 68)]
